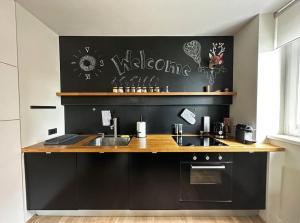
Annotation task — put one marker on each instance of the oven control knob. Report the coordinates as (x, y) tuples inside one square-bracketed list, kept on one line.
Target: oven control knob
[(220, 157), (195, 157), (207, 157)]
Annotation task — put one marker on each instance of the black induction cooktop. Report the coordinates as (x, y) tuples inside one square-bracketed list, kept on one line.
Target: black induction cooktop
[(197, 141)]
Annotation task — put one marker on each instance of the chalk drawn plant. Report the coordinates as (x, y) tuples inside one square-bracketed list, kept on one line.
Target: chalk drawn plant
[(216, 55), (216, 59)]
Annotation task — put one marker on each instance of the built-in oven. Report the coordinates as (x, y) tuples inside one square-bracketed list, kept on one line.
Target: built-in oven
[(206, 178)]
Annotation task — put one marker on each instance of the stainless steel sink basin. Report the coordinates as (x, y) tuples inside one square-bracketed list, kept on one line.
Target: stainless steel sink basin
[(109, 141)]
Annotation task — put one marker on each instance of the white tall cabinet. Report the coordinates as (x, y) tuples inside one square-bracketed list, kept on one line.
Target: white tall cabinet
[(11, 198)]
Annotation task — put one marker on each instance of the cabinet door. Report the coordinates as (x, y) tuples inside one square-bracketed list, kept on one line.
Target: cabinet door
[(154, 181), (9, 92), (103, 180), (249, 178), (8, 41), (51, 181), (11, 194)]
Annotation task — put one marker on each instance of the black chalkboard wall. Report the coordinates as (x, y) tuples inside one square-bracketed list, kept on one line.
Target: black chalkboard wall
[(99, 63), (182, 63)]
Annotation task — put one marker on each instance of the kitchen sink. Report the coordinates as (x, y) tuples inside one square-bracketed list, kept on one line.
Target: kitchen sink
[(110, 141)]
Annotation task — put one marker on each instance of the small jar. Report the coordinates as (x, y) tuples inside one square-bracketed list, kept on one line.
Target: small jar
[(139, 90), (207, 88), (132, 89), (115, 89), (226, 90), (127, 89), (120, 90), (150, 89), (157, 89), (144, 89)]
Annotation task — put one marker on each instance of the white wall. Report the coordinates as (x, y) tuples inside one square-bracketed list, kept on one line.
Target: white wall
[(283, 196), (257, 77), (243, 109), (38, 59), (11, 201), (269, 80)]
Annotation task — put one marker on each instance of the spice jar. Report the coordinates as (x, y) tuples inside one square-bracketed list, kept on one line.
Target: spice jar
[(121, 90), (150, 89), (132, 89), (127, 89), (144, 89), (157, 89), (138, 89), (115, 89)]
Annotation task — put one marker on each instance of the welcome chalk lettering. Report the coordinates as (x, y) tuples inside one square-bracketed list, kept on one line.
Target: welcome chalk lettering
[(128, 63)]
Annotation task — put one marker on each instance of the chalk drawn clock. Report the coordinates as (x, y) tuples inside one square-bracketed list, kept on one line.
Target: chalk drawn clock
[(87, 63)]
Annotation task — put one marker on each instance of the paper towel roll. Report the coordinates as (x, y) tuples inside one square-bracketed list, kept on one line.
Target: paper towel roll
[(141, 129)]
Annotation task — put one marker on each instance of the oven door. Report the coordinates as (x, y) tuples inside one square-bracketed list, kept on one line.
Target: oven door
[(206, 181)]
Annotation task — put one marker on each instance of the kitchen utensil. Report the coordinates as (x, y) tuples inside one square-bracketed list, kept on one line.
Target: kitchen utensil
[(205, 124), (219, 130)]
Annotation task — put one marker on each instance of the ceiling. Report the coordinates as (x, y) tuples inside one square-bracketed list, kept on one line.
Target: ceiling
[(147, 17)]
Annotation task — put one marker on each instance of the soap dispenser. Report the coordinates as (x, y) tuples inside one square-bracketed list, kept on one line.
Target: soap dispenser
[(141, 128)]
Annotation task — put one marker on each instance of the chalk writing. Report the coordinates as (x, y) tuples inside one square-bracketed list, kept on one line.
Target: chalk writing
[(151, 80), (144, 81), (129, 63), (137, 80)]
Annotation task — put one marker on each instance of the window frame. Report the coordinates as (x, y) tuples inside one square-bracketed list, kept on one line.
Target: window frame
[(291, 120)]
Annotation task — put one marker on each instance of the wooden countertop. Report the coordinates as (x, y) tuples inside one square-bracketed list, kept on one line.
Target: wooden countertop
[(153, 144)]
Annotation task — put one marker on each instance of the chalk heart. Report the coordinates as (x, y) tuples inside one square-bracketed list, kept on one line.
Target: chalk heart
[(192, 49)]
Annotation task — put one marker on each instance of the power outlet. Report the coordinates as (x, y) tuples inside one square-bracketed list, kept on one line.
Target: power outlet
[(52, 131)]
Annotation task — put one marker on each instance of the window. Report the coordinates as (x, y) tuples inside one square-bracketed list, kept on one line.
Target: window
[(291, 122)]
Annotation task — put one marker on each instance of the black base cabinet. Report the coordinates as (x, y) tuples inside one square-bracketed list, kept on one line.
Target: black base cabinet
[(51, 181), (154, 181), (102, 181), (249, 180), (145, 181)]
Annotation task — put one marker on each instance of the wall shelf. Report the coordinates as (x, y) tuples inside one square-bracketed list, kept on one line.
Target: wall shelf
[(110, 94)]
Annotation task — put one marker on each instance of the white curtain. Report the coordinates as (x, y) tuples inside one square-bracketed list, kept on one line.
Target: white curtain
[(288, 24), (291, 53)]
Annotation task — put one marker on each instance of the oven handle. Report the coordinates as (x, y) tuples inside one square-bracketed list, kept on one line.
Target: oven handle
[(208, 167)]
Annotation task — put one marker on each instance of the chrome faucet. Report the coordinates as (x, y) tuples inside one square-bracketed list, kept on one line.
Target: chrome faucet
[(114, 126)]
